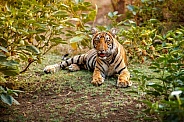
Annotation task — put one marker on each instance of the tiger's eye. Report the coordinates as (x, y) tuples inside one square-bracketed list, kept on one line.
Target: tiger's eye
[(107, 38), (97, 38)]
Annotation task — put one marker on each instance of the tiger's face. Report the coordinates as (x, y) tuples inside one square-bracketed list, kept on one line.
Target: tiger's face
[(104, 44)]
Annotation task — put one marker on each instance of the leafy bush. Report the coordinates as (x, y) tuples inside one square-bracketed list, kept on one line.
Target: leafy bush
[(165, 92), (30, 28), (6, 95), (140, 40)]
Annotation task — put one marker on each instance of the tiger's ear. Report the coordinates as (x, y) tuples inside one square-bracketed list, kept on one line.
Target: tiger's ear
[(94, 30), (113, 31)]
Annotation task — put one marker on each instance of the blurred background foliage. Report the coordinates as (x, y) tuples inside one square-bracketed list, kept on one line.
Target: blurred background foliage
[(151, 31)]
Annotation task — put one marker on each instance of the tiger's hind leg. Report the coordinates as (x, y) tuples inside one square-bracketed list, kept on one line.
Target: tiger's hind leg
[(124, 79), (73, 67)]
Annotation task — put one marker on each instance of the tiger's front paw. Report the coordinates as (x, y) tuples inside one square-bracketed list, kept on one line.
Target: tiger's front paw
[(123, 82), (51, 68), (97, 81)]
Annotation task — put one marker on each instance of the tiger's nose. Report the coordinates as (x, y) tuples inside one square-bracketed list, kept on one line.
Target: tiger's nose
[(101, 50)]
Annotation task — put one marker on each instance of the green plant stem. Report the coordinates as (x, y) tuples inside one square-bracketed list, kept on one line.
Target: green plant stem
[(165, 86)]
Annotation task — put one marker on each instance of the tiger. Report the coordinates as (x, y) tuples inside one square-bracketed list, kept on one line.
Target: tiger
[(107, 58)]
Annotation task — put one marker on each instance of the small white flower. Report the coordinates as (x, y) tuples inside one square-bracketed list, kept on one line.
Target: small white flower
[(176, 93)]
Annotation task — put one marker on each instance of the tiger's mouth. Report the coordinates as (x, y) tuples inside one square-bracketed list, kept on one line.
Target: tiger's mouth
[(102, 55)]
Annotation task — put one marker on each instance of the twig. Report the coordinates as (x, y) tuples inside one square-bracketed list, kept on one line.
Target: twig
[(27, 66), (66, 94)]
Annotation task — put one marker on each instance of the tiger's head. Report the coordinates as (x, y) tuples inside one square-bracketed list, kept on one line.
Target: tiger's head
[(104, 42)]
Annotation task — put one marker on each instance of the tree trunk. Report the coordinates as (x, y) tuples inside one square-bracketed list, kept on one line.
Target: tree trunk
[(119, 5)]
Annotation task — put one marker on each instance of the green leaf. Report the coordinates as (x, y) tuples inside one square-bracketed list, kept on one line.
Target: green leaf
[(21, 31), (136, 92), (154, 93), (2, 79), (157, 87), (91, 15), (154, 65), (110, 14), (64, 6), (76, 39), (2, 90), (60, 14), (7, 99), (38, 38), (159, 37), (40, 30), (58, 40), (2, 57), (70, 24), (9, 63), (33, 49), (9, 71), (153, 20), (15, 101), (131, 8), (134, 13), (147, 102), (3, 49), (115, 13)]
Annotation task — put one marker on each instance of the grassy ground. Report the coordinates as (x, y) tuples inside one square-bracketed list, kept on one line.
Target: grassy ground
[(69, 96)]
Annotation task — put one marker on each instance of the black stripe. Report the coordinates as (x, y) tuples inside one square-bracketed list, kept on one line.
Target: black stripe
[(72, 60), (104, 62), (100, 69), (114, 56), (113, 59), (116, 61), (90, 65), (99, 62), (78, 59), (61, 66), (112, 45), (92, 56), (118, 64), (93, 62), (83, 59), (121, 70), (66, 62)]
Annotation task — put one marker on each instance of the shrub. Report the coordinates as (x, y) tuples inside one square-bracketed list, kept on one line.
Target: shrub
[(6, 95), (164, 92), (30, 28)]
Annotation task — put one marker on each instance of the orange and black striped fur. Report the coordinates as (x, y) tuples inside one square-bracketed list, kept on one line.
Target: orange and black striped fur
[(107, 58)]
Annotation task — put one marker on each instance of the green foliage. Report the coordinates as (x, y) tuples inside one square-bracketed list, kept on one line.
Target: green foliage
[(144, 10), (164, 92), (6, 95), (139, 40), (30, 28), (145, 38)]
